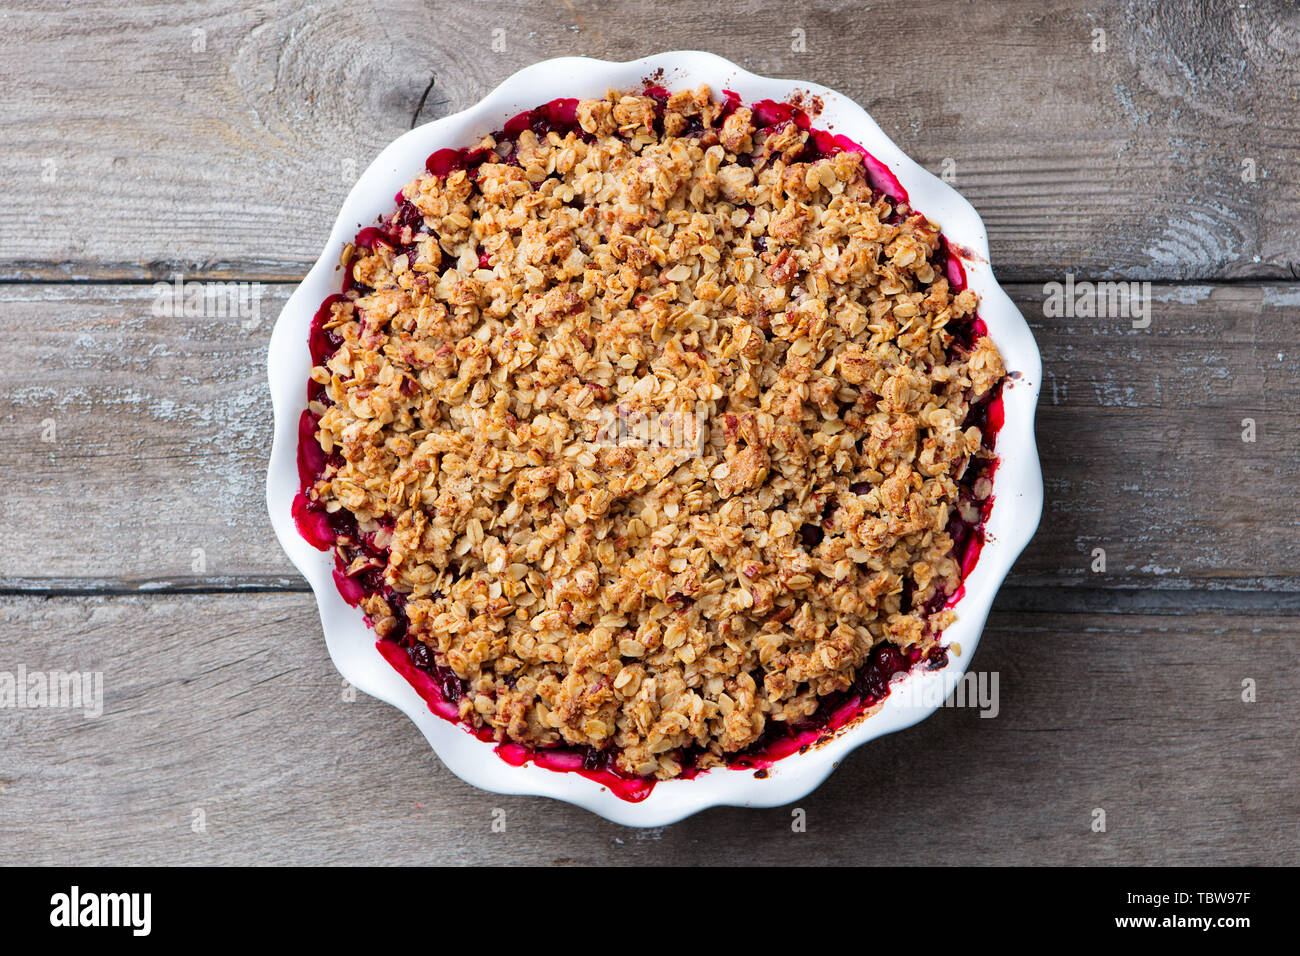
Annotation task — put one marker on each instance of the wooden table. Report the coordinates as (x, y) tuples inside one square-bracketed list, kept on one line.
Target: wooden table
[(1132, 141)]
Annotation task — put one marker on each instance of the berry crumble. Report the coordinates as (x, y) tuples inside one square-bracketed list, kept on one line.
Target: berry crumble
[(653, 433)]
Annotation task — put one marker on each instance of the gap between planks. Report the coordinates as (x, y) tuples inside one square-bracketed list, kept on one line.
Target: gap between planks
[(1012, 598)]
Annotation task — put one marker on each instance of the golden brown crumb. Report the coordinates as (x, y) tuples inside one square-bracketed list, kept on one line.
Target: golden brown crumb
[(661, 471)]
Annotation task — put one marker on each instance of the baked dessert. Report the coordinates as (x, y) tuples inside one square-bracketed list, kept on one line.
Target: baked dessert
[(652, 433)]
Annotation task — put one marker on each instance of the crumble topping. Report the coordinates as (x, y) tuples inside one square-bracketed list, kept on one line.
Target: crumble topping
[(655, 427)]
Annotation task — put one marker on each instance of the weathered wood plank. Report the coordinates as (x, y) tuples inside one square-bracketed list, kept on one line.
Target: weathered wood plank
[(221, 140), (229, 705), (153, 477)]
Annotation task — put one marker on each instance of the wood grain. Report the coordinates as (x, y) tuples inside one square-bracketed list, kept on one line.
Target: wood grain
[(220, 139), (229, 705), (161, 434), (217, 140)]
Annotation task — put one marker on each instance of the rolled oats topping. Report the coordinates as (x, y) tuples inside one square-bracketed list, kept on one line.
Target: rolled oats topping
[(645, 423)]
